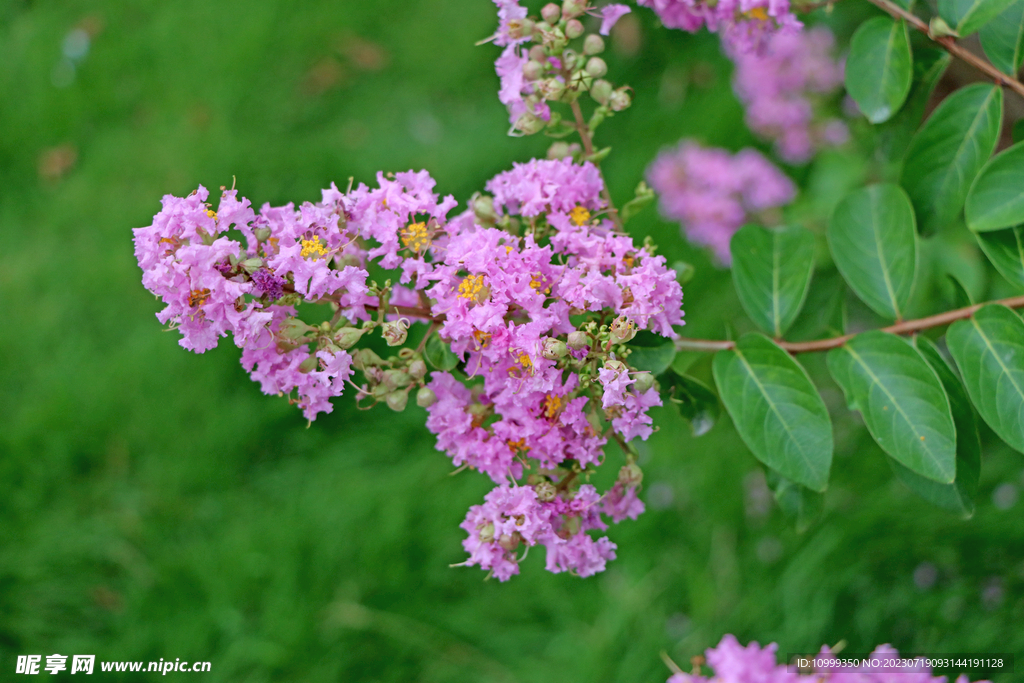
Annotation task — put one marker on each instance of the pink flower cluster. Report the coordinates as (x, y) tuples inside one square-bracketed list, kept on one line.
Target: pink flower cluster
[(713, 193), (734, 663), (745, 25), (783, 89)]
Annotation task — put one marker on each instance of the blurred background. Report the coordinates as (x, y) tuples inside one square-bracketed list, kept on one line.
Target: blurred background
[(154, 503)]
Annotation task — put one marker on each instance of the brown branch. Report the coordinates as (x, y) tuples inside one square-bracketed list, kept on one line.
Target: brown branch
[(588, 149), (413, 311), (905, 327), (951, 46)]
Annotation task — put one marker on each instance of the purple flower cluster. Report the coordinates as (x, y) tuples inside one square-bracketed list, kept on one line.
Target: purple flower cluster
[(745, 25), (783, 88), (734, 663), (713, 193)]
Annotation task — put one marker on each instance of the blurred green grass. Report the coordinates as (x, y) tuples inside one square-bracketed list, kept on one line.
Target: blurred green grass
[(155, 504)]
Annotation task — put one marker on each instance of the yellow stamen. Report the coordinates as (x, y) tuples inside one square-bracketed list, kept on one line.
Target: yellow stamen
[(416, 236), (482, 338), (552, 406), (758, 13), (197, 297), (579, 215), (312, 248), (471, 287), (517, 445), (537, 282), (211, 213)]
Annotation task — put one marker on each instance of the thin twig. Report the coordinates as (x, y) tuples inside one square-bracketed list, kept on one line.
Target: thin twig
[(905, 327), (951, 46), (588, 149)]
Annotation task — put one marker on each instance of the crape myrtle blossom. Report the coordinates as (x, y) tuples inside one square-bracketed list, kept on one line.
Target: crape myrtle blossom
[(745, 25), (534, 398), (713, 193), (783, 90), (734, 663)]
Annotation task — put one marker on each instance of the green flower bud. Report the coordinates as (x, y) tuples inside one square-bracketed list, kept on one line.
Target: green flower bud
[(529, 124), (642, 382), (262, 234), (347, 337), (417, 369), (538, 54), (546, 491), (558, 150), (551, 89), (510, 542), (554, 349), (573, 29), (487, 533), (615, 365), (569, 57), (425, 397), (596, 67), (622, 330), (631, 475), (551, 13), (533, 70), (395, 379), (578, 340), (593, 44), (483, 209), (363, 359), (396, 400), (573, 8), (310, 364), (294, 329), (620, 100), (395, 332), (601, 91)]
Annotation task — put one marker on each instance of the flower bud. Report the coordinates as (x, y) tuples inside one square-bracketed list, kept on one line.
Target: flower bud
[(545, 490), (533, 70), (538, 54), (551, 13), (395, 379), (551, 88), (310, 364), (417, 369), (601, 91), (262, 234), (425, 397), (642, 382), (554, 349), (346, 337), (487, 533), (364, 359), (578, 340), (615, 365), (620, 100), (510, 542), (622, 330), (294, 329), (573, 8), (596, 67), (573, 29), (396, 400), (569, 58), (483, 209), (558, 150), (593, 45), (631, 475), (395, 331), (529, 124)]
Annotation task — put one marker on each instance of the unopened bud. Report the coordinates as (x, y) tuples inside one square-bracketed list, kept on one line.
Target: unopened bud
[(538, 54), (569, 58), (622, 330), (425, 397), (395, 332), (642, 382), (395, 379), (593, 44), (262, 234), (601, 91), (529, 124), (554, 349), (294, 329), (396, 400), (573, 8), (545, 490), (596, 67), (578, 340), (510, 541), (346, 337), (558, 150), (551, 13), (551, 88), (487, 533), (631, 475), (483, 209), (615, 365), (417, 369), (310, 364), (364, 359), (533, 70), (620, 100), (573, 29)]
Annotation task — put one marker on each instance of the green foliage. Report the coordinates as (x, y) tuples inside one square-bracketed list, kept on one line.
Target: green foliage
[(776, 409), (996, 200), (967, 16), (879, 68), (1005, 249), (989, 350), (800, 504), (1003, 39), (696, 403), (902, 402), (771, 270), (651, 352), (873, 241), (948, 151), (439, 354), (895, 134)]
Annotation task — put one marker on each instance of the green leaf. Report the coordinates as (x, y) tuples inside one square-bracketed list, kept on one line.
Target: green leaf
[(901, 399), (1003, 39), (967, 16), (959, 496), (949, 150), (1005, 249), (996, 199), (822, 314), (874, 244), (776, 409), (879, 68), (1017, 132), (895, 134), (651, 352), (694, 400), (797, 502), (439, 354), (989, 350), (771, 270)]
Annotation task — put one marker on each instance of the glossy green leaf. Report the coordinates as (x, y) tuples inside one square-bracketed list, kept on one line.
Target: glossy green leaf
[(879, 68), (1017, 132), (1005, 249), (697, 404), (776, 409), (771, 270), (895, 134), (901, 399), (651, 352), (946, 154), (439, 354), (996, 199), (797, 502), (874, 243), (1003, 39), (959, 496), (823, 314), (989, 350), (967, 16)]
